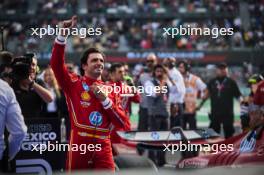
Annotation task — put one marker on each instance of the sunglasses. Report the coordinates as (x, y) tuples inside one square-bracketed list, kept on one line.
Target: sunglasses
[(150, 61)]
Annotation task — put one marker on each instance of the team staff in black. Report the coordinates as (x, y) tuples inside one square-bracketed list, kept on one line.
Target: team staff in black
[(222, 91)]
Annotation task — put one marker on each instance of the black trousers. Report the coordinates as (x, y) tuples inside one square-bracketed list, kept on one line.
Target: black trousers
[(191, 120), (158, 123), (143, 124), (227, 120), (178, 119)]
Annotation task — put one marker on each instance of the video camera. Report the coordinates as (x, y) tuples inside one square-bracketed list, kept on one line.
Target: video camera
[(21, 66)]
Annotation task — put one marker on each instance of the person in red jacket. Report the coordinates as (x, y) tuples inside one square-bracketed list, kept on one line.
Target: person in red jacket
[(127, 94), (91, 110)]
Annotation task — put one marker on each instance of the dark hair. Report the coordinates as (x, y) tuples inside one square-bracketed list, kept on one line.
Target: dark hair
[(158, 66), (6, 58), (115, 66), (86, 54), (221, 66), (186, 65)]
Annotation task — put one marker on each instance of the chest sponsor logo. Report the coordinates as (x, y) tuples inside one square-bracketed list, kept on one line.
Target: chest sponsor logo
[(85, 104), (96, 118), (85, 96)]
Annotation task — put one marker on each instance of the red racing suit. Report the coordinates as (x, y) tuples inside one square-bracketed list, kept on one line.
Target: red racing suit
[(90, 118), (126, 98)]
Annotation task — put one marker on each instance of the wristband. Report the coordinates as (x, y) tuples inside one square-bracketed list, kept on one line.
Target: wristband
[(107, 103), (31, 84)]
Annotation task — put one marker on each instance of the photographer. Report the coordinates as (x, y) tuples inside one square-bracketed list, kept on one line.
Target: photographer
[(30, 92)]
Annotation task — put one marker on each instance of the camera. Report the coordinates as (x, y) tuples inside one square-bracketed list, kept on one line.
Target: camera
[(21, 66)]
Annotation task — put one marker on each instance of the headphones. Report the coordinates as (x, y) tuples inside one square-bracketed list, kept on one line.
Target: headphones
[(186, 65)]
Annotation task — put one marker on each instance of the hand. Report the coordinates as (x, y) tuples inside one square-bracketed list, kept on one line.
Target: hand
[(29, 80), (174, 110), (166, 70), (97, 91), (68, 24)]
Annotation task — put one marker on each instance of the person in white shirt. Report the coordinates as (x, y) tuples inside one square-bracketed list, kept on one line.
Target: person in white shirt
[(176, 92), (194, 85), (11, 118)]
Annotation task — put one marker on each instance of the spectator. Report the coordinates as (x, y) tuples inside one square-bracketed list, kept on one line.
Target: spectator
[(177, 92), (145, 76), (12, 119), (30, 92), (222, 91), (52, 109), (194, 85), (157, 107), (143, 122)]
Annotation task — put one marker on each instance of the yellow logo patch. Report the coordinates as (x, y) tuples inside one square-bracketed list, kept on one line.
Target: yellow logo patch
[(85, 96)]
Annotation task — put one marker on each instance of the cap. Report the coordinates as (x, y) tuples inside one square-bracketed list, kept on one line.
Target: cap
[(255, 79)]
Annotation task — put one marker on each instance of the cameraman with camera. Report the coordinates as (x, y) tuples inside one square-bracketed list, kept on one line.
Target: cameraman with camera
[(30, 92)]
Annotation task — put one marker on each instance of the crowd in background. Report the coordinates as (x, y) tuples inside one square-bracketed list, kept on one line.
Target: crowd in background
[(123, 34)]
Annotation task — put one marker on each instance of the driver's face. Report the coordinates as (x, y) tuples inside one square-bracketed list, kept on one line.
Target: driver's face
[(95, 65)]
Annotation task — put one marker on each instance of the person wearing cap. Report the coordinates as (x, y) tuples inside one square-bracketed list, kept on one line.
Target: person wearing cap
[(247, 102), (222, 91)]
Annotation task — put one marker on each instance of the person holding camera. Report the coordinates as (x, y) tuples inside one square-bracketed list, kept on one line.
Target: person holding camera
[(176, 92), (30, 92)]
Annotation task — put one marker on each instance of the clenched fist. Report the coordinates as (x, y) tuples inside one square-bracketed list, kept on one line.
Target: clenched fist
[(67, 24)]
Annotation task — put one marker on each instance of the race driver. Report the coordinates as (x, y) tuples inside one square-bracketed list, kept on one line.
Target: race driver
[(92, 111)]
